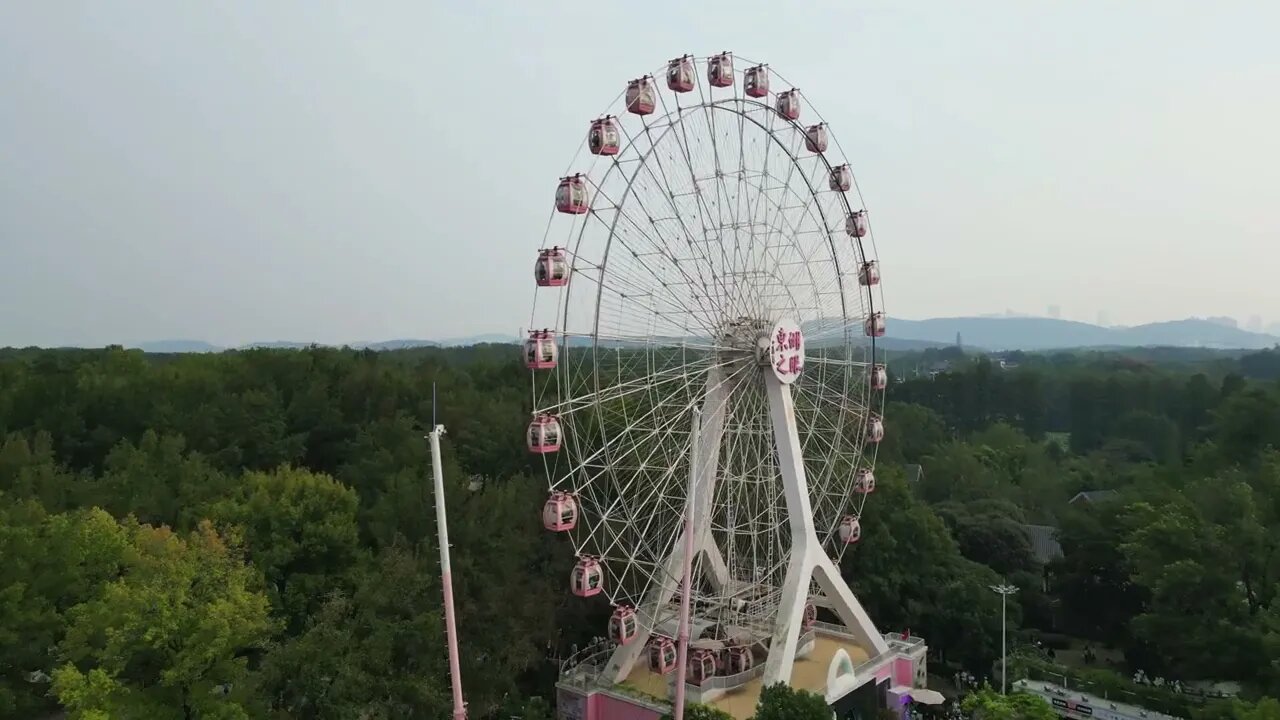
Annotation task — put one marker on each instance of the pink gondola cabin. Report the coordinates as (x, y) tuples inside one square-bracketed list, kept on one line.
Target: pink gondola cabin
[(702, 665), (623, 625), (662, 655), (841, 178), (850, 530), (544, 434), (789, 104), (815, 138), (878, 377), (680, 74), (571, 195), (875, 432), (856, 224), (865, 481), (560, 513), (587, 578), (874, 326), (755, 82), (720, 70), (551, 269), (641, 96), (603, 138), (540, 350), (869, 274)]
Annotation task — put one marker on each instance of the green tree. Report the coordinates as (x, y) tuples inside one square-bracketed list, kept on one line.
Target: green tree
[(987, 704), (300, 529), (169, 637), (781, 702)]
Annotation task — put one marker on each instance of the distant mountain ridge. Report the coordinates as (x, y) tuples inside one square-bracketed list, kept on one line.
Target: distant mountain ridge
[(988, 333)]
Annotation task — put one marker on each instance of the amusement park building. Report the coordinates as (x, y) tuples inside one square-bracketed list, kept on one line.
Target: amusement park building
[(829, 661)]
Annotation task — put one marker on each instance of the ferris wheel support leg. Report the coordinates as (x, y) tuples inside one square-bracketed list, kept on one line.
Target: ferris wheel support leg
[(703, 469), (807, 555)]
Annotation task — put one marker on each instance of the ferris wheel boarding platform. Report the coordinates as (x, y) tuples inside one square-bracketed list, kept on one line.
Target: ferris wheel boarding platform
[(829, 661)]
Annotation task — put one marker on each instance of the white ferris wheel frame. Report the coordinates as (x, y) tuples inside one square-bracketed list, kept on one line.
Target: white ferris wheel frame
[(807, 563)]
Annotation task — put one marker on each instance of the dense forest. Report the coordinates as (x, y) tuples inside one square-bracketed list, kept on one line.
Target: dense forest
[(250, 534)]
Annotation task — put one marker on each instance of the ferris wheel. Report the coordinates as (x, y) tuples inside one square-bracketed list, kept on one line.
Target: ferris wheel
[(704, 342)]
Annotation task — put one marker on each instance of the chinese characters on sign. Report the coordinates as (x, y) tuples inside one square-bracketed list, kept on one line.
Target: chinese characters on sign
[(787, 351)]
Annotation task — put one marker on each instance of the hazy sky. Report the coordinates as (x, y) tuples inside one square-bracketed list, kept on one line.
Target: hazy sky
[(336, 171)]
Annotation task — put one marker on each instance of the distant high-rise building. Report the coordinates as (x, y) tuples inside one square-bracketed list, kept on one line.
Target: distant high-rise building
[(1055, 312), (1255, 323), (959, 344)]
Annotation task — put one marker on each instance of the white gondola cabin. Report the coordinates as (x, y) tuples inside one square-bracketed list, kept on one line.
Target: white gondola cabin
[(865, 481), (680, 74), (662, 655), (789, 104), (603, 138), (587, 578), (856, 224), (740, 659), (878, 377), (540, 350), (874, 326), (702, 665), (560, 512), (755, 82), (815, 138), (571, 195), (875, 431), (869, 274), (841, 178), (720, 70), (623, 625), (544, 434), (810, 616), (551, 269), (641, 96), (850, 530)]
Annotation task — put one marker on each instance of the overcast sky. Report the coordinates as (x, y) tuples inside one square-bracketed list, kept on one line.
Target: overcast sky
[(336, 171)]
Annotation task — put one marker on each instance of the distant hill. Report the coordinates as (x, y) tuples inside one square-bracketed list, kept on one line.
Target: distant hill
[(1024, 333), (987, 333)]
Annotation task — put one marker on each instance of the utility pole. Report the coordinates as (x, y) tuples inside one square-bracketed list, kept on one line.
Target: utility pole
[(446, 579), (1004, 591)]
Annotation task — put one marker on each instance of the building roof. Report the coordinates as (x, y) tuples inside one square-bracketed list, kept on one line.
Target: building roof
[(1091, 496), (1044, 542)]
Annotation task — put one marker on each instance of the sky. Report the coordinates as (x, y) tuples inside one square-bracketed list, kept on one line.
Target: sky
[(333, 171)]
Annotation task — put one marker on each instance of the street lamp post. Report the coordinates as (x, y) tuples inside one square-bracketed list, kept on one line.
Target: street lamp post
[(1004, 591)]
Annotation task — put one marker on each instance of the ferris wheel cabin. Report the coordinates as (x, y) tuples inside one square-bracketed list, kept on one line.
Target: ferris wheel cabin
[(789, 104), (815, 138), (856, 224), (720, 70), (603, 138), (640, 96), (551, 269), (544, 435), (850, 530), (680, 74), (869, 274), (540, 350), (571, 195), (623, 625), (841, 178), (587, 578), (560, 513), (756, 82), (865, 481), (878, 377)]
